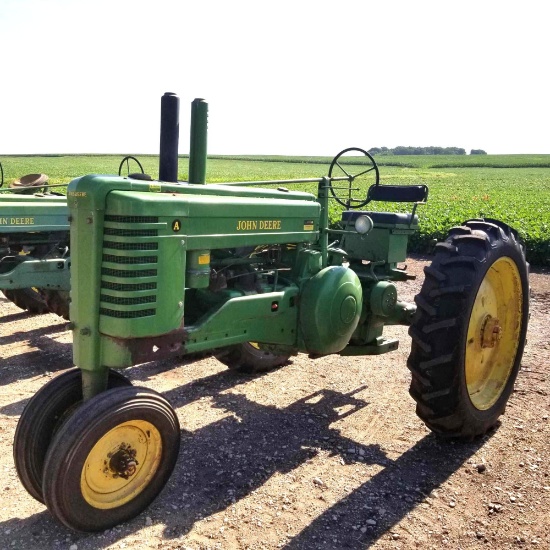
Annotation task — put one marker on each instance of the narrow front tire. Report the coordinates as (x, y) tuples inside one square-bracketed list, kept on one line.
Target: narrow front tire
[(40, 420), (111, 458)]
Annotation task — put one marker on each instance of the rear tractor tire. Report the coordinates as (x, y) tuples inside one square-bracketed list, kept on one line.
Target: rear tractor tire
[(28, 299), (249, 358), (57, 302), (468, 333)]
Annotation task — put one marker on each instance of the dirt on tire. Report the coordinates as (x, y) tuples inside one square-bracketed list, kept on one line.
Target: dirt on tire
[(318, 454)]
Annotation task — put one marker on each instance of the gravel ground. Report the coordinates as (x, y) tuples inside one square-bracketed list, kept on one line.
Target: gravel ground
[(324, 453)]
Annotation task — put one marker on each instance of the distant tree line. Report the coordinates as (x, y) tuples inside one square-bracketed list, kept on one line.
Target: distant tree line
[(401, 150)]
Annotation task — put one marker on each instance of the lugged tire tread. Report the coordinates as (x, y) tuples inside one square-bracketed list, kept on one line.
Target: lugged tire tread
[(473, 238), (244, 359), (442, 317), (460, 230), (445, 247), (467, 260), (423, 304), (445, 323), (431, 396), (436, 361), (417, 339), (457, 289), (435, 273), (27, 300), (56, 302)]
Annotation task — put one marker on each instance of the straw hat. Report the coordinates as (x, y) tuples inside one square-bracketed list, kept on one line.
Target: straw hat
[(30, 180)]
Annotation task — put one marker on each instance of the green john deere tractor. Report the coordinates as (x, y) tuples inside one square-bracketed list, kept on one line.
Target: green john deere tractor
[(253, 274), (33, 226), (34, 242)]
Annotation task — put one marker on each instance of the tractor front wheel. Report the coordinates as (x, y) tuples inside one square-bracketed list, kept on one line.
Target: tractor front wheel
[(250, 358), (111, 458), (41, 419), (468, 333)]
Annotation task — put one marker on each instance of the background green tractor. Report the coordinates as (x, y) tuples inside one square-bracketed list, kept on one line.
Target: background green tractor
[(253, 273), (34, 242)]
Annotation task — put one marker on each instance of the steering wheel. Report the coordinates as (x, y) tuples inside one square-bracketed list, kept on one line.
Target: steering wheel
[(347, 186), (127, 160)]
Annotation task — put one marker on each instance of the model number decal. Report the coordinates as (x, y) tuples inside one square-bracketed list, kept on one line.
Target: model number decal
[(16, 221), (251, 225)]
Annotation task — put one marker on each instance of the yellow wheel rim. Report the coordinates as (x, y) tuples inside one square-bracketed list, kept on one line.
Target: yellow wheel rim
[(493, 333), (121, 464), (255, 345)]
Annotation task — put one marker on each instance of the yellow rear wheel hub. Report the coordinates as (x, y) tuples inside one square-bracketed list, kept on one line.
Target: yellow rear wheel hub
[(493, 333), (121, 464)]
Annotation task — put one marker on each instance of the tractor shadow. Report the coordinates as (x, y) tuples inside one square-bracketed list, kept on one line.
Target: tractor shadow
[(30, 335), (225, 461), (15, 317), (44, 354), (54, 356), (386, 498)]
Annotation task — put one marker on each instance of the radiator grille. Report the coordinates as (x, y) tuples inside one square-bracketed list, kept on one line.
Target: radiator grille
[(129, 259), (124, 236), (127, 301), (131, 232), (128, 287), (129, 273), (126, 314)]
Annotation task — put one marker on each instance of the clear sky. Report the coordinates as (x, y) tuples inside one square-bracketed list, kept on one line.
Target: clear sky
[(281, 77)]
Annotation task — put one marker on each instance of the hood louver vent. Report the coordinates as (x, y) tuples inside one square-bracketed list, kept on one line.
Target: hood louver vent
[(128, 269)]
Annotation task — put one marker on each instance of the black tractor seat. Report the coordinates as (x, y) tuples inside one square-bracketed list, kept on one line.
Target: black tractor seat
[(398, 193)]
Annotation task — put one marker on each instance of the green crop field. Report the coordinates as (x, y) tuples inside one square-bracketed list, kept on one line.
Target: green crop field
[(512, 188)]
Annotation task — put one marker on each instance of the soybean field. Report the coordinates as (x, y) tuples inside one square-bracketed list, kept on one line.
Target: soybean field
[(511, 188)]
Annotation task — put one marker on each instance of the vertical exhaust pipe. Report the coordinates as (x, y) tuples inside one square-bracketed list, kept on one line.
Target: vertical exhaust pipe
[(169, 137), (197, 145)]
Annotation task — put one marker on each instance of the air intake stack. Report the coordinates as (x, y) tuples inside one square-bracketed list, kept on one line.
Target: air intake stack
[(197, 145)]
